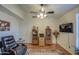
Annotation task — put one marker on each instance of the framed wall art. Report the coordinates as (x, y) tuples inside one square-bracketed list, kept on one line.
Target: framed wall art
[(4, 25), (68, 27)]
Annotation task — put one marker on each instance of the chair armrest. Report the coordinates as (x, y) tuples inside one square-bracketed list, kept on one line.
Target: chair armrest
[(13, 50), (9, 52)]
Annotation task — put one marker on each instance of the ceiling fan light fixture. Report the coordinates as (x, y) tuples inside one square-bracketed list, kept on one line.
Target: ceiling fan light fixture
[(42, 17), (42, 9), (38, 16), (45, 15), (41, 14)]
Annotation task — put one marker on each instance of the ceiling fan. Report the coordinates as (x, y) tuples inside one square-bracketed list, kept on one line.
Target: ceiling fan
[(42, 13)]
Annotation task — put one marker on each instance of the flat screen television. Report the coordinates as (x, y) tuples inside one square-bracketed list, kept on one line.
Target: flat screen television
[(41, 35), (68, 27)]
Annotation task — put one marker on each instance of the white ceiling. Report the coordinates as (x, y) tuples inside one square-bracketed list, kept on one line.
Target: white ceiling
[(59, 9)]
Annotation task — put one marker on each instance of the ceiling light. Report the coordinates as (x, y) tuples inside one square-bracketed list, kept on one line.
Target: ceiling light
[(38, 16), (45, 15), (42, 9), (41, 14), (42, 17)]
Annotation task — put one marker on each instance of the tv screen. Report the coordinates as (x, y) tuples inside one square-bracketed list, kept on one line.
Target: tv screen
[(41, 35), (68, 27)]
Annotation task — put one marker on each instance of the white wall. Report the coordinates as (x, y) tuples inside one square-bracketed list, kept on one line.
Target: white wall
[(27, 24), (63, 40), (14, 25), (16, 9)]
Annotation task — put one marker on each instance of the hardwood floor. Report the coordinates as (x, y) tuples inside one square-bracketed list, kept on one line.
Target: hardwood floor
[(53, 46)]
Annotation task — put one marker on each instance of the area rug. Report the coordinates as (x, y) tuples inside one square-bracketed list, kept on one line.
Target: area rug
[(44, 52)]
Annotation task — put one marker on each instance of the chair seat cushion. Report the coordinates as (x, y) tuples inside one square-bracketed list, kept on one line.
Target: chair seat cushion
[(20, 50)]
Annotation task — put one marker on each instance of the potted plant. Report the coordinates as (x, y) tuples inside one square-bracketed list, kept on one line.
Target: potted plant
[(56, 33)]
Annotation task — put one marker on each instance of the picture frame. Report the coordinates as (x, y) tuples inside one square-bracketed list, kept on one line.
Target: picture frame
[(4, 25)]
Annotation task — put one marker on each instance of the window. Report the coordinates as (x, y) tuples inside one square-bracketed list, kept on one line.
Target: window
[(77, 30)]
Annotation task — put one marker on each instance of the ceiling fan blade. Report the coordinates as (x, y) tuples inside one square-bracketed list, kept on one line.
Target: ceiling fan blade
[(34, 16), (50, 12), (43, 5), (33, 12)]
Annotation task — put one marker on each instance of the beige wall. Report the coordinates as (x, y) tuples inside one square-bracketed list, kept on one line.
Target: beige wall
[(26, 27), (63, 38)]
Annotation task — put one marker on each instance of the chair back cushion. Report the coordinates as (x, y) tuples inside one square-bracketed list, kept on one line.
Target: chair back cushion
[(9, 42)]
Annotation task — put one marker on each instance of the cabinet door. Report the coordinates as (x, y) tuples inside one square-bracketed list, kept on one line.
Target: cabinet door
[(41, 41), (35, 40), (48, 40)]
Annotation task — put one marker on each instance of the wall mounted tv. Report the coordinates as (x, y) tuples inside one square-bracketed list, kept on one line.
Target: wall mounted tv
[(68, 27)]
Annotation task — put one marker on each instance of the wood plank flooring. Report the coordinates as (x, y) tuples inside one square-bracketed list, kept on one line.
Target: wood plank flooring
[(53, 46)]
